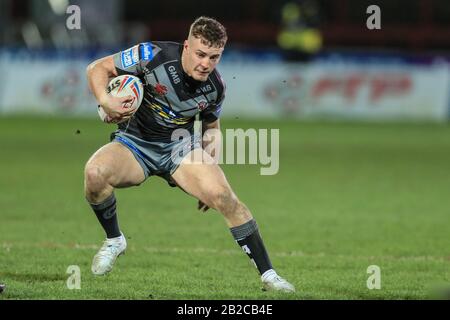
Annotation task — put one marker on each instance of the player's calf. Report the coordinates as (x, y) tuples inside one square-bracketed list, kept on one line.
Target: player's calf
[(233, 210), (246, 233), (99, 194)]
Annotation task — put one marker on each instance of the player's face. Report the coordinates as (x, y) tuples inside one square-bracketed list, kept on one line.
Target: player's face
[(199, 60)]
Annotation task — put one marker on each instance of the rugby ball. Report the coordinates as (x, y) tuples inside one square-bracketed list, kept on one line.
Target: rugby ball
[(122, 86)]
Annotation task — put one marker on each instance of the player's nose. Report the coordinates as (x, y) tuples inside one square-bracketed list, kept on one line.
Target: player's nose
[(205, 64)]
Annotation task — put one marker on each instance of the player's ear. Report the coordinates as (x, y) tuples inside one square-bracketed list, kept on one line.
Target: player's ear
[(185, 45)]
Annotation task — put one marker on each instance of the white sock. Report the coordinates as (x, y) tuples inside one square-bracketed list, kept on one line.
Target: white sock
[(117, 238), (268, 274)]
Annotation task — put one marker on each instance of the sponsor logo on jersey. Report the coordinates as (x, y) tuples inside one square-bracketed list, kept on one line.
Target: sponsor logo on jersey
[(172, 70), (205, 89), (135, 53), (160, 89), (130, 57), (146, 51), (202, 105)]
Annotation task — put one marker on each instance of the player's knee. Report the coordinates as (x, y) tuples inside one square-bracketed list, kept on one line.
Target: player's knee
[(95, 178)]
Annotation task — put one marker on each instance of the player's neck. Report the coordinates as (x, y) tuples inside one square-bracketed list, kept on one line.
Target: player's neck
[(188, 79)]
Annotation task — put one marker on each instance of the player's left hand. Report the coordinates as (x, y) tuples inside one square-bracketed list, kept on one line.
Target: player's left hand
[(202, 207)]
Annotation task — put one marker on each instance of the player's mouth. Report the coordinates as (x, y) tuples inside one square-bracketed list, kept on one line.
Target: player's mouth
[(203, 73)]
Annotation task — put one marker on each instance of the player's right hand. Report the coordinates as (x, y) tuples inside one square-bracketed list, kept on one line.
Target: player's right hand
[(118, 108)]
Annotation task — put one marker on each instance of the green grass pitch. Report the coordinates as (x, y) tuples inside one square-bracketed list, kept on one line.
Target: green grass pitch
[(347, 196)]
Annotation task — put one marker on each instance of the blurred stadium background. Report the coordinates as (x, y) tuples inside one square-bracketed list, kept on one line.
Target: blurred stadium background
[(364, 151)]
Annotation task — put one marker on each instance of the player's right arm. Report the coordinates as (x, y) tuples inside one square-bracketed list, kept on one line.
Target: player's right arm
[(99, 73)]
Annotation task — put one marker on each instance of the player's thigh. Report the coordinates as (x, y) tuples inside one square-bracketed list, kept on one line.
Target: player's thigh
[(117, 164), (204, 180)]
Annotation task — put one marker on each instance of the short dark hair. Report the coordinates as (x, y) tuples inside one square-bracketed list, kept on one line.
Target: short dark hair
[(211, 31)]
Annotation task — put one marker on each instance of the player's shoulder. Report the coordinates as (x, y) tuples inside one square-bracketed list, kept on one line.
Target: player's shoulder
[(167, 45), (167, 48), (160, 52)]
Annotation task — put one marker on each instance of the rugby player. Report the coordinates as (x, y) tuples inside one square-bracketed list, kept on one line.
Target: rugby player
[(180, 82)]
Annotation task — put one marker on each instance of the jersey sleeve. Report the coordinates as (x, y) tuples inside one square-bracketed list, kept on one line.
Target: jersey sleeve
[(133, 60)]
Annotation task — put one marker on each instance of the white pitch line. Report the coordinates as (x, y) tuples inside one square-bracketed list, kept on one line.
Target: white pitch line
[(8, 246)]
